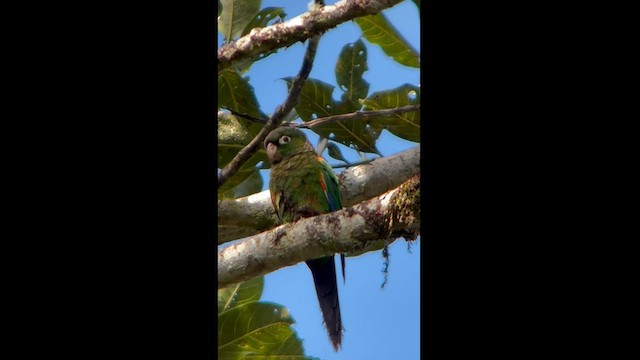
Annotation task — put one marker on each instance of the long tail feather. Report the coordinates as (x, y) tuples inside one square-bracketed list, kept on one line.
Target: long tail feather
[(324, 277), (344, 275)]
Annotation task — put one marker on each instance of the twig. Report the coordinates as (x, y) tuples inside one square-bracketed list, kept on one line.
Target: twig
[(358, 115), (277, 117), (248, 117)]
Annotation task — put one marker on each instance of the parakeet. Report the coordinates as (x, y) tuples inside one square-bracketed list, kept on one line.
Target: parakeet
[(302, 184)]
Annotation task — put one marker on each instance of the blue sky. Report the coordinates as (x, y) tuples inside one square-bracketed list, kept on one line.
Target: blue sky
[(379, 323)]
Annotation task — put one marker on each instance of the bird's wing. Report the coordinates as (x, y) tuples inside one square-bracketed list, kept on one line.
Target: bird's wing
[(329, 183)]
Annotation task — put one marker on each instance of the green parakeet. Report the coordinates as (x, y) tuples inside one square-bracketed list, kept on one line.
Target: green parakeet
[(302, 184)]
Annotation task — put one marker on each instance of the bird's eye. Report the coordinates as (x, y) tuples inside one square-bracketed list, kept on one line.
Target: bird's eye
[(285, 139)]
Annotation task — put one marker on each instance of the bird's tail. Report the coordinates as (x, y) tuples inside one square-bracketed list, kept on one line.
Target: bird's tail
[(324, 277)]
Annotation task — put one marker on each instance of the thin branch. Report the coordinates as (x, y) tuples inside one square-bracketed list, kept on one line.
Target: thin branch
[(358, 115), (247, 116), (277, 117), (365, 227), (263, 40)]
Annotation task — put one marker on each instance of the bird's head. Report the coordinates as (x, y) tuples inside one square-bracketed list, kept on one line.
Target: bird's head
[(285, 142)]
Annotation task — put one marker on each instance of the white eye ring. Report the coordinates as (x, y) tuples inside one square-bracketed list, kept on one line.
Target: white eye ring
[(284, 139)]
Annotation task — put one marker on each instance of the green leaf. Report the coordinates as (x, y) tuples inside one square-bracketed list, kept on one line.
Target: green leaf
[(235, 133), (248, 329), (219, 8), (352, 63), (263, 17), (315, 99), (243, 183), (406, 125), (355, 134), (417, 2), (334, 152), (377, 30), (239, 294), (235, 92), (352, 133), (236, 14), (257, 328)]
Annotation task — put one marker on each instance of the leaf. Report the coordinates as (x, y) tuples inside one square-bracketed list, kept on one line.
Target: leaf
[(377, 30), (256, 329), (235, 92), (417, 2), (245, 182), (352, 133), (406, 125), (248, 329), (352, 63), (236, 14), (219, 8), (316, 101), (334, 152), (239, 294), (234, 133), (262, 18)]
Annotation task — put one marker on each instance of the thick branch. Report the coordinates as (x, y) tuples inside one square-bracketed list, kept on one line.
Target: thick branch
[(300, 28), (352, 231), (253, 214), (276, 118)]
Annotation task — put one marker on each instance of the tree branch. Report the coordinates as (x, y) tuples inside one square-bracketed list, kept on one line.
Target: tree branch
[(358, 115), (245, 116), (276, 118), (352, 231), (239, 218), (300, 28)]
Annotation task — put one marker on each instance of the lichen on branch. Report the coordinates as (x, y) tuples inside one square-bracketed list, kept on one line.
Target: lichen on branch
[(250, 215), (365, 227), (263, 40)]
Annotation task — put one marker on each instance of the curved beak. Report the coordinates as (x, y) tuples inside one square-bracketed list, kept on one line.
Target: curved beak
[(272, 150)]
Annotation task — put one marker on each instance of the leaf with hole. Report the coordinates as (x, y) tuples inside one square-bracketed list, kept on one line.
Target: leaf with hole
[(251, 329), (377, 30), (256, 329), (351, 65), (316, 101), (263, 17), (239, 294), (405, 125)]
